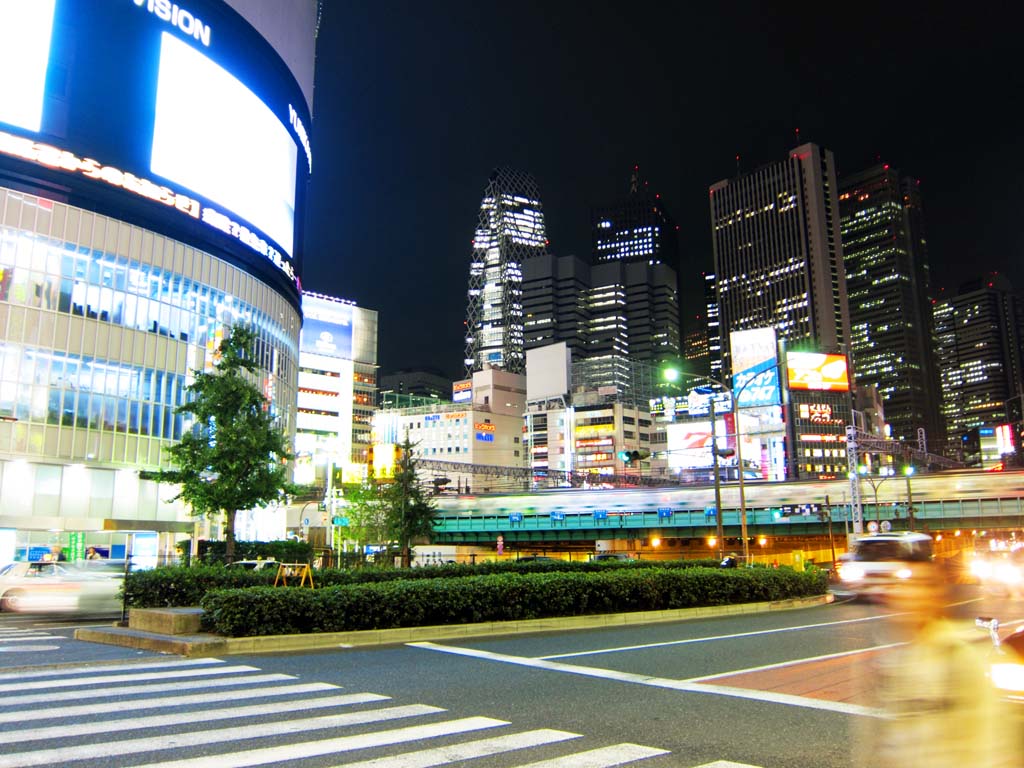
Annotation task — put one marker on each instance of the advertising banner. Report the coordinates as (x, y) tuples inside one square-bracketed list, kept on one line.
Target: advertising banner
[(817, 371)]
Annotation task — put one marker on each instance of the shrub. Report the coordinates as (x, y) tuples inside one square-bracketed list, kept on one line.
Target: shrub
[(494, 597)]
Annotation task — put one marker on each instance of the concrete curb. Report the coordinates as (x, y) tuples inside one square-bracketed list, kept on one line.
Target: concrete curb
[(214, 645)]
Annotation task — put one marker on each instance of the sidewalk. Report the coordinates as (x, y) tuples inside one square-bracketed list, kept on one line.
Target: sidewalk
[(198, 644)]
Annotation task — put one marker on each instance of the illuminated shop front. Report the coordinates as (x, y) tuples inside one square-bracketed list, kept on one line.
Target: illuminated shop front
[(143, 211)]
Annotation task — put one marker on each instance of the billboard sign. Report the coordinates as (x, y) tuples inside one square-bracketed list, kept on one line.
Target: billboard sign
[(817, 371), (753, 347), (326, 327), (196, 128), (462, 391), (757, 386)]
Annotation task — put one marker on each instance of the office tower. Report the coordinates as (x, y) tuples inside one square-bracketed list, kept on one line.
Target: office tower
[(778, 255), (714, 327), (891, 334), (980, 354), (556, 292), (421, 382), (125, 258), (337, 389), (630, 306), (510, 230), (695, 346)]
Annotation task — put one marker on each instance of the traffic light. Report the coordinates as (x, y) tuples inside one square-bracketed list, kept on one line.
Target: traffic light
[(632, 457)]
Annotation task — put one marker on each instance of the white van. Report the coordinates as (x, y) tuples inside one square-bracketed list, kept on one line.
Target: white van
[(881, 560)]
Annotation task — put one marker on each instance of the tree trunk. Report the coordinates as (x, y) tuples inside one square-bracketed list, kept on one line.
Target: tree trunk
[(229, 536)]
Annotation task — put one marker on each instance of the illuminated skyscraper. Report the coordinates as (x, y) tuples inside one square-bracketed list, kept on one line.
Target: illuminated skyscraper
[(510, 230), (980, 333), (778, 256), (887, 282)]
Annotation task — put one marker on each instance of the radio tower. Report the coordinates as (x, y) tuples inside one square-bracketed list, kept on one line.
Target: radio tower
[(510, 230)]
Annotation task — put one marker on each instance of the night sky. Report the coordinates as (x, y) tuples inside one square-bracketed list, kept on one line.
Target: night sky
[(416, 102)]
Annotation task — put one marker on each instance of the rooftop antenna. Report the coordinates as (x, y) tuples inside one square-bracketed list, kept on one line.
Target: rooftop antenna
[(737, 165), (634, 180), (797, 129)]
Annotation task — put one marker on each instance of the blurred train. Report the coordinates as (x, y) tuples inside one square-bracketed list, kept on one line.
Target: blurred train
[(954, 485)]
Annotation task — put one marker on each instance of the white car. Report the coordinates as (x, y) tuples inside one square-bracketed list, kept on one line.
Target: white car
[(881, 561), (61, 587)]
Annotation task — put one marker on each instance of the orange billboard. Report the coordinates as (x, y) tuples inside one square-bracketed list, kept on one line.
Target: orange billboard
[(817, 371)]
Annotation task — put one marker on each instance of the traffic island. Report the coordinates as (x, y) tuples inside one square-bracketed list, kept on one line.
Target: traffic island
[(199, 644)]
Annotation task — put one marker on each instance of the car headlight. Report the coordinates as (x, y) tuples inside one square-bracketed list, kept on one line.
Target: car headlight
[(851, 572), (1008, 574), (904, 573), (981, 568), (1008, 677)]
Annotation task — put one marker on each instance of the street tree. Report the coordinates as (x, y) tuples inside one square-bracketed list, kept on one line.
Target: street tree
[(366, 507), (235, 454), (410, 511)]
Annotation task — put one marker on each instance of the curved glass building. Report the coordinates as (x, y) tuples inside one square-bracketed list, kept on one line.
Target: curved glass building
[(144, 210)]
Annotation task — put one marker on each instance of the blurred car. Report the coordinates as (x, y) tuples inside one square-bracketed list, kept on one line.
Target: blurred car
[(62, 587), (537, 559), (1001, 573), (1006, 669), (879, 562), (611, 556)]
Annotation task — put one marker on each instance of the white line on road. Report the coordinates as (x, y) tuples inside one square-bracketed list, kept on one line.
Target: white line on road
[(469, 750), (62, 755), (27, 638), (109, 679), (713, 638), (688, 686), (105, 693), (65, 671), (727, 764), (794, 662), (604, 757), (69, 730), (269, 755), (164, 701)]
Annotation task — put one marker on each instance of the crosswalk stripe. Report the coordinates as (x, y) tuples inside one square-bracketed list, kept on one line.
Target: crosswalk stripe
[(426, 758), (109, 679), (727, 764), (69, 730), (30, 638), (301, 750), (603, 757), (164, 701), (92, 668), (61, 755), (104, 693)]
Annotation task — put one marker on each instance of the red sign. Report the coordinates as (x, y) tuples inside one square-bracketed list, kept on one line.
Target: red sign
[(812, 370)]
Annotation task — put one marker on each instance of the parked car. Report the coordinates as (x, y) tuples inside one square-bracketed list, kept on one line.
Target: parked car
[(611, 556), (537, 559), (61, 587), (253, 565)]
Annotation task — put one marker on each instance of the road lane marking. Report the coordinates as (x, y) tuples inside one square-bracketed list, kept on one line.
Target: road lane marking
[(469, 750), (795, 662), (69, 730), (164, 701), (688, 686), (726, 764), (603, 757), (108, 679), (712, 638), (62, 755), (305, 749), (30, 638), (90, 669), (103, 693)]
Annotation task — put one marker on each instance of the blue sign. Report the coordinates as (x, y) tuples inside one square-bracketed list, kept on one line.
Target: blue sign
[(710, 511), (664, 512), (558, 515), (339, 520), (515, 517), (757, 386), (600, 514), (485, 437)]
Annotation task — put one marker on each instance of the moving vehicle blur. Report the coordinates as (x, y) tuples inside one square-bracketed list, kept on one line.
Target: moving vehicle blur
[(1007, 667), (253, 565), (1000, 572), (879, 562), (89, 586)]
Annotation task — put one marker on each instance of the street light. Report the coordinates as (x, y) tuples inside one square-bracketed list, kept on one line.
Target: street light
[(908, 470), (862, 471), (672, 375)]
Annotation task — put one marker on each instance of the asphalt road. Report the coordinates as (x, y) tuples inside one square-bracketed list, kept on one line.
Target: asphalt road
[(780, 690)]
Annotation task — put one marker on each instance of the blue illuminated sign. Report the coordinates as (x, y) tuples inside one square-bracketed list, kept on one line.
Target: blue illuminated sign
[(757, 386), (485, 437)]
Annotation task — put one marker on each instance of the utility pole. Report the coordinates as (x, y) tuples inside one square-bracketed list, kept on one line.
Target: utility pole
[(719, 528)]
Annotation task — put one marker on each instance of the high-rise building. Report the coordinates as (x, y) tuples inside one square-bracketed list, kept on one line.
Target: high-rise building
[(891, 333), (980, 352), (337, 393), (143, 212), (714, 325), (510, 230), (778, 255), (556, 300)]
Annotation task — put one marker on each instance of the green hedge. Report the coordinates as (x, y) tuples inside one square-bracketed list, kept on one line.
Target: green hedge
[(284, 551), (176, 586), (494, 597)]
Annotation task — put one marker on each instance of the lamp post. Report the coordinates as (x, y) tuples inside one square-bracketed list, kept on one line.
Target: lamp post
[(862, 471), (908, 470), (671, 375)]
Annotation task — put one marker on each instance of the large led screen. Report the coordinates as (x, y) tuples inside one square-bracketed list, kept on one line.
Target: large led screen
[(819, 372), (177, 117), (326, 327)]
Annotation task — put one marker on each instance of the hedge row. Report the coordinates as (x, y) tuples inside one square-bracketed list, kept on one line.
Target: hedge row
[(180, 586), (496, 597)]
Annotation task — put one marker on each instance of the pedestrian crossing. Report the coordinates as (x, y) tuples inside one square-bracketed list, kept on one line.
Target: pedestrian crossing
[(208, 713), (27, 641)]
